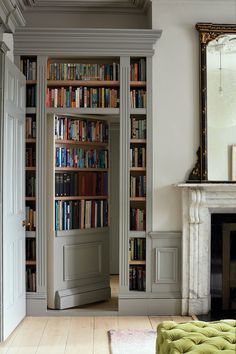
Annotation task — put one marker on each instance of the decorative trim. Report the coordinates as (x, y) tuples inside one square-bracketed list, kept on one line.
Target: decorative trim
[(88, 6), (158, 266), (165, 234), (3, 47), (79, 41), (11, 15)]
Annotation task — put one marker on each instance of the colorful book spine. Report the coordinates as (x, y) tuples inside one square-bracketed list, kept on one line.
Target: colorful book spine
[(137, 219), (83, 214), (138, 98), (137, 157), (29, 68), (137, 128), (137, 186), (138, 70), (137, 249), (81, 158)]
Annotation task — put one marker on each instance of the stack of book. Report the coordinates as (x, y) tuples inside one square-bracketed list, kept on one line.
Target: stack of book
[(138, 98), (29, 68), (81, 71), (138, 70), (137, 157), (30, 216), (30, 279), (30, 128), (84, 97), (30, 157), (137, 249), (31, 96), (81, 158), (30, 186), (137, 128), (137, 186), (137, 219), (30, 249), (137, 278)]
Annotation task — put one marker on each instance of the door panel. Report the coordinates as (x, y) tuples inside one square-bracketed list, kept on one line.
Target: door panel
[(13, 200)]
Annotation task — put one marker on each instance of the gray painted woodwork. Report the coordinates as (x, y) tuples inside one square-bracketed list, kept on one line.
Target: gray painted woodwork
[(11, 15), (124, 171), (3, 51), (85, 42), (114, 168), (41, 155)]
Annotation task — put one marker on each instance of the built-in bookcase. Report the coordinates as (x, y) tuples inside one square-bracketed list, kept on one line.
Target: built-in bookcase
[(28, 66), (137, 175)]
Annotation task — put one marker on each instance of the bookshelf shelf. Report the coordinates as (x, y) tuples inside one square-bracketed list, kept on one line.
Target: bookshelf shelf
[(31, 82), (101, 197), (78, 111), (138, 111), (137, 262), (30, 141), (30, 168), (86, 83), (30, 234), (30, 110), (138, 141), (78, 232), (30, 199), (137, 169), (138, 83), (137, 234), (77, 169), (137, 199), (76, 142), (30, 263)]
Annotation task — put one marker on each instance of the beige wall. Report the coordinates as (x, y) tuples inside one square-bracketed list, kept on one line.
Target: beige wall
[(176, 99)]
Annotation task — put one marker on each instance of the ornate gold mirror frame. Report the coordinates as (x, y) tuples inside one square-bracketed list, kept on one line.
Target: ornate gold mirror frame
[(207, 33)]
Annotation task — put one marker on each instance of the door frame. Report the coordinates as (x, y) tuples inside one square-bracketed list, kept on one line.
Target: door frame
[(3, 51)]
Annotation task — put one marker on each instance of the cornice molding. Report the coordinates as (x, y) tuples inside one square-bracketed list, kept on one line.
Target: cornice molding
[(3, 47), (11, 15), (197, 2), (80, 41), (87, 6)]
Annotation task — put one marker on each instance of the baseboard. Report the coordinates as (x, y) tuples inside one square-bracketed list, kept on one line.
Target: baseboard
[(150, 307), (65, 300), (36, 307)]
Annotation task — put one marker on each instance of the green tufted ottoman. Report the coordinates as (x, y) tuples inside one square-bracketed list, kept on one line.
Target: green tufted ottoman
[(196, 337)]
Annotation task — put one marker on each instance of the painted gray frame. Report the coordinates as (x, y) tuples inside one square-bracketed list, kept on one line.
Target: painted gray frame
[(59, 42)]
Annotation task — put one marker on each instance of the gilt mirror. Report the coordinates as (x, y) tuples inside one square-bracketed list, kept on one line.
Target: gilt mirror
[(217, 151)]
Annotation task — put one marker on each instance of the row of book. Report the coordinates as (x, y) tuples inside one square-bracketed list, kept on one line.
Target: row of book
[(30, 127), (81, 158), (82, 71), (137, 157), (30, 249), (31, 96), (82, 97), (81, 184), (30, 185), (137, 249), (137, 219), (137, 128), (138, 98), (83, 214), (137, 278), (30, 156), (137, 186), (30, 277), (138, 70), (28, 67), (30, 216), (81, 130)]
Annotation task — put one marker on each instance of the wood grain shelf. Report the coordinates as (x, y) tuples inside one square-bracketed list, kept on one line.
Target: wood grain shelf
[(100, 197), (30, 199), (75, 169), (31, 82), (138, 141), (31, 141), (30, 168), (77, 142), (30, 263), (136, 262), (138, 83), (137, 169), (137, 199), (86, 83)]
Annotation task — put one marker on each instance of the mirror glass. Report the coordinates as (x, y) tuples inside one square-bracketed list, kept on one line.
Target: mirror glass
[(221, 108)]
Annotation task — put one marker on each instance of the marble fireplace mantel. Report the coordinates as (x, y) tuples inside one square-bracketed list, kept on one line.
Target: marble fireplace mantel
[(199, 201)]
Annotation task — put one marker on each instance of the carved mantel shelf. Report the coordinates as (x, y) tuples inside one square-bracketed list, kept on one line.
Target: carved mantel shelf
[(199, 201)]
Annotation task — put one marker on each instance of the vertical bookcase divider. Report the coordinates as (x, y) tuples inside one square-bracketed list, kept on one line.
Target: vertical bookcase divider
[(124, 172), (41, 157)]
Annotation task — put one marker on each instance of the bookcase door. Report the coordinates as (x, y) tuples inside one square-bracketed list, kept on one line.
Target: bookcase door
[(14, 303)]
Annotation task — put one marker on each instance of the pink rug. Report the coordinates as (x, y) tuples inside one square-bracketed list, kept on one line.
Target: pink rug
[(132, 341)]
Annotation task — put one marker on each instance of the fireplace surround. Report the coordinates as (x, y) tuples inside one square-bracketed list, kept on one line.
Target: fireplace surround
[(199, 201)]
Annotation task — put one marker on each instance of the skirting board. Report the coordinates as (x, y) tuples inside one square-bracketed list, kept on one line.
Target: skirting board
[(36, 307), (64, 300), (150, 307)]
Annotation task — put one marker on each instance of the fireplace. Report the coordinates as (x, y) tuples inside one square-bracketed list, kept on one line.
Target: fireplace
[(223, 265), (199, 203)]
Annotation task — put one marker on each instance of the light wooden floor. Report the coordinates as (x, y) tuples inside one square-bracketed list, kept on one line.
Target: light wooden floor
[(73, 335)]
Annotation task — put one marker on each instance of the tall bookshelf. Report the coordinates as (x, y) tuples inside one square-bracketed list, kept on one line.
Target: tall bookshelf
[(82, 96), (137, 175), (28, 66)]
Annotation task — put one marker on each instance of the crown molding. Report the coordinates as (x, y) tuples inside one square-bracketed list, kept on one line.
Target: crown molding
[(87, 6), (84, 41), (11, 15), (197, 2)]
